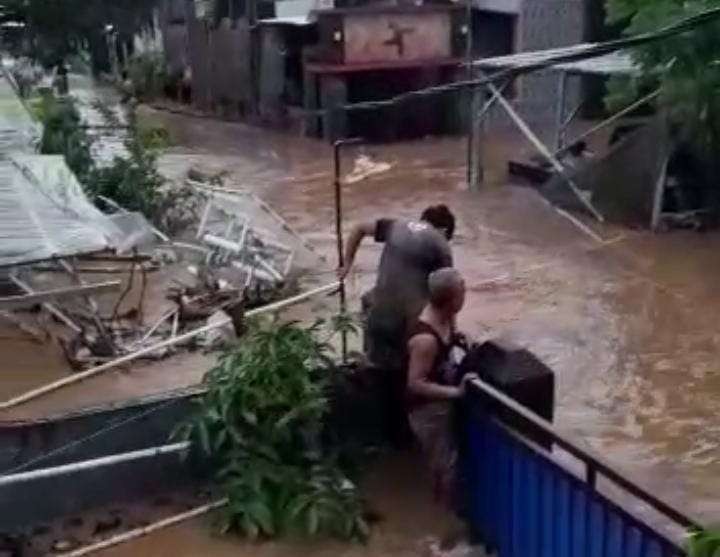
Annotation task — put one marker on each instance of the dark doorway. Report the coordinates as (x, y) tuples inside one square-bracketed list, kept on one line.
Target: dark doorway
[(411, 119), (493, 34)]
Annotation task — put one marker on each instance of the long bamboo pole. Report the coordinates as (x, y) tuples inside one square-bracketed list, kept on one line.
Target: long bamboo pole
[(605, 123), (54, 386), (144, 531)]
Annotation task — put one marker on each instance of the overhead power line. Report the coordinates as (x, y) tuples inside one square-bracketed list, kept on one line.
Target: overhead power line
[(573, 53)]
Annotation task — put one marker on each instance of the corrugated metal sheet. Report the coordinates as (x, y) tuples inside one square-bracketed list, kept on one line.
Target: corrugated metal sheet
[(44, 212), (524, 504), (610, 64)]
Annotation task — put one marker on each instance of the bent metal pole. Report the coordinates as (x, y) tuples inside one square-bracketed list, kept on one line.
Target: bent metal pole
[(337, 183)]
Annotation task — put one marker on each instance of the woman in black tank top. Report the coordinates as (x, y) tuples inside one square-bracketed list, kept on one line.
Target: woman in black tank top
[(441, 370)]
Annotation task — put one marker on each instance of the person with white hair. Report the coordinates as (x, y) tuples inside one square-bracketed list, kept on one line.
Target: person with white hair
[(432, 387)]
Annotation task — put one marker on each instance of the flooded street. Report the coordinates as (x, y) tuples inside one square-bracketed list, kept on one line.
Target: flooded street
[(629, 325), (396, 490)]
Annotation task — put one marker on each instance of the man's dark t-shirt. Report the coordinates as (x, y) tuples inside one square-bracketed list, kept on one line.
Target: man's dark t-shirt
[(412, 251)]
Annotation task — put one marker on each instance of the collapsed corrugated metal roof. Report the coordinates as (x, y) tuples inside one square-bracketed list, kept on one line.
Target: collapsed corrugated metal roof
[(44, 212), (610, 64)]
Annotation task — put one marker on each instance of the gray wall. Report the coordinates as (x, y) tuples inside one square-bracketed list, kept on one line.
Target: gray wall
[(544, 24), (175, 47), (547, 24), (47, 499), (220, 61)]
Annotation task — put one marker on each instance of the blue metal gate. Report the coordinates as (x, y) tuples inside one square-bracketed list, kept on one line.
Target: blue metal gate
[(522, 503)]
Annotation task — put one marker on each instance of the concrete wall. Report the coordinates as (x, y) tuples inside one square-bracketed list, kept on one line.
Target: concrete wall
[(271, 84), (220, 62), (46, 499), (175, 45), (544, 24), (547, 24)]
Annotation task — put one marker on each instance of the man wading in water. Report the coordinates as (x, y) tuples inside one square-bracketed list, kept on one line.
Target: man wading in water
[(412, 251)]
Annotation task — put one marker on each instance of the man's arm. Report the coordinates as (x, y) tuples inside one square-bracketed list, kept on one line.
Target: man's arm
[(357, 234), (422, 349)]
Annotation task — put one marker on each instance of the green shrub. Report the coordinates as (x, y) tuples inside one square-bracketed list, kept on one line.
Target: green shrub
[(63, 134), (132, 182), (153, 137), (704, 544), (261, 425), (148, 74)]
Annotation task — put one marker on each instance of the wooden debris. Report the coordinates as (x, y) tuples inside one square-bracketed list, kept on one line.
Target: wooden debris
[(34, 298)]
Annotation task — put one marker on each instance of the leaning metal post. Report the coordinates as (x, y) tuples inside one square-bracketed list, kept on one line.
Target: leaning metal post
[(560, 116), (478, 119), (545, 152), (473, 93), (337, 146)]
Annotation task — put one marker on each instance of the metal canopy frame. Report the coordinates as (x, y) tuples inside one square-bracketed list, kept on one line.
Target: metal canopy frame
[(536, 142), (617, 63)]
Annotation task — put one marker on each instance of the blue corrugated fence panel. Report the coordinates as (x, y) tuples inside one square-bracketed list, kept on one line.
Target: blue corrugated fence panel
[(505, 527), (526, 505), (614, 547), (579, 528), (519, 517), (654, 549), (562, 495), (548, 510), (633, 547), (532, 486)]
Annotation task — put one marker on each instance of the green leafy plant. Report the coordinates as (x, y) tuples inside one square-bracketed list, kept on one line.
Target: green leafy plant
[(63, 134), (148, 73), (133, 181), (261, 425), (705, 543), (153, 137), (684, 67)]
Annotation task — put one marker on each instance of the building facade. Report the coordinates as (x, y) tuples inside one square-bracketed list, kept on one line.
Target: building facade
[(290, 63)]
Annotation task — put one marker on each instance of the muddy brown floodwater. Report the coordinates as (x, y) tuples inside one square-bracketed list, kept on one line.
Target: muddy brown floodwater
[(397, 491), (629, 325)]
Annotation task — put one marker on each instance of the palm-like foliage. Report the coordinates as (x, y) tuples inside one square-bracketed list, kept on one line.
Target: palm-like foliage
[(261, 423), (686, 66)]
